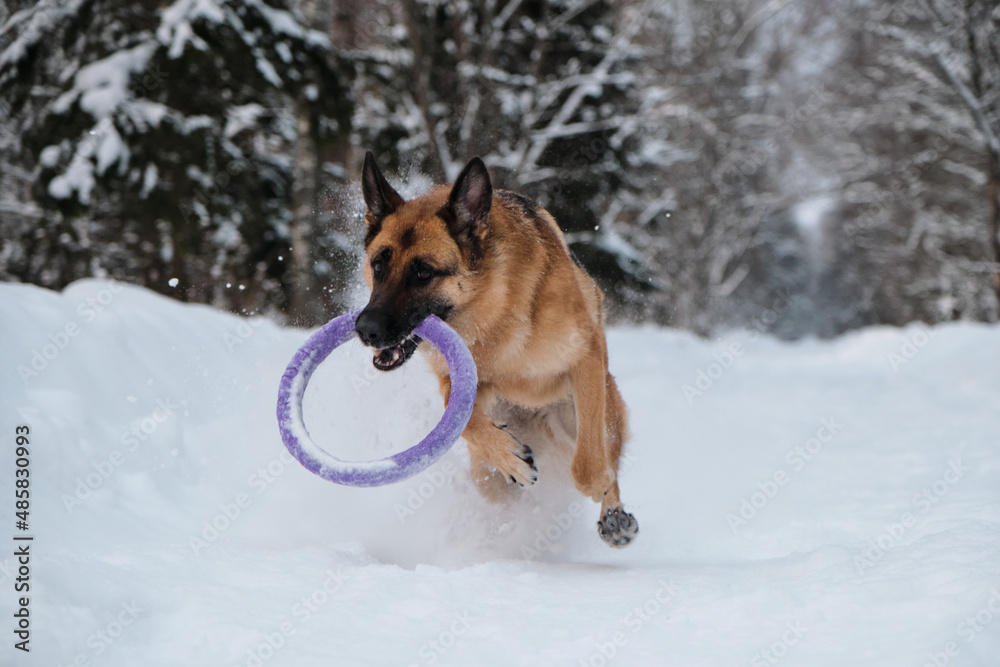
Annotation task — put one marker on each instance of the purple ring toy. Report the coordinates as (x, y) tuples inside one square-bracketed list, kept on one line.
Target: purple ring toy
[(397, 467)]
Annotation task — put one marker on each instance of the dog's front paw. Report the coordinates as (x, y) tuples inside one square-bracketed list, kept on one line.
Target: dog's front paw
[(617, 527), (514, 459)]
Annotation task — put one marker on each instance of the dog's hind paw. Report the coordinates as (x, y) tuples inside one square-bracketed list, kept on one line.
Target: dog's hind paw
[(617, 527)]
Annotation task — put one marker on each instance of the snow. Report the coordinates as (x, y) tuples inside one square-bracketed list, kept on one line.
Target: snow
[(146, 113), (172, 528), (49, 157), (78, 178), (285, 53), (175, 24), (101, 86), (176, 29), (33, 24), (150, 177), (281, 22), (111, 150), (809, 217), (242, 117), (267, 69)]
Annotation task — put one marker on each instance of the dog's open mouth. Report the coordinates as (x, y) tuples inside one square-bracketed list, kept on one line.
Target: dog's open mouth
[(391, 358)]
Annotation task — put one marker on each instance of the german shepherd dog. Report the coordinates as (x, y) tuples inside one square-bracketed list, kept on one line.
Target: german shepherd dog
[(496, 267)]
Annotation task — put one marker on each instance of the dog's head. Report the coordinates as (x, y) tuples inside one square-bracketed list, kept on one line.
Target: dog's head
[(421, 256)]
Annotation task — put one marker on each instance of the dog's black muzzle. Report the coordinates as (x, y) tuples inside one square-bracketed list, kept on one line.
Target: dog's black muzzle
[(394, 344)]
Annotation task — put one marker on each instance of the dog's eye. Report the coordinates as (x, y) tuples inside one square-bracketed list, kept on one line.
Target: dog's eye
[(378, 266), (423, 274)]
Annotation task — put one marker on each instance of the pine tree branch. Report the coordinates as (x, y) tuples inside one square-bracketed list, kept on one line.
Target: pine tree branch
[(541, 140), (969, 98)]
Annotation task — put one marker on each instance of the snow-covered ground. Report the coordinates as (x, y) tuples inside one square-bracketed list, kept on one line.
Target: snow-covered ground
[(820, 503)]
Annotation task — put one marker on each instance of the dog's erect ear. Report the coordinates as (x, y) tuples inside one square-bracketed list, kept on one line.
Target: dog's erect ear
[(468, 209), (380, 198)]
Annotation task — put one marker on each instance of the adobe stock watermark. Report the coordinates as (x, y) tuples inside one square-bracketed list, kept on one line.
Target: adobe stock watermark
[(243, 331), (778, 649), (548, 538), (911, 346), (103, 638), (923, 502), (433, 649), (58, 341), (760, 155), (138, 433), (726, 358), (364, 379), (301, 612), (231, 511), (797, 458), (368, 375), (635, 620), (881, 202), (968, 629), (431, 481)]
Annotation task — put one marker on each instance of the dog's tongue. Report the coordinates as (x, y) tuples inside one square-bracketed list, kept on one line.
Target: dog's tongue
[(391, 358)]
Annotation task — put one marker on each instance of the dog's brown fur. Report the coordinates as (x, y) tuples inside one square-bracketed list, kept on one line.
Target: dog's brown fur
[(507, 282)]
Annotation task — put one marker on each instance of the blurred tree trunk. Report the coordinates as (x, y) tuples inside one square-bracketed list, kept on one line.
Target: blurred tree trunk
[(422, 68), (973, 34), (984, 60), (304, 308), (993, 189)]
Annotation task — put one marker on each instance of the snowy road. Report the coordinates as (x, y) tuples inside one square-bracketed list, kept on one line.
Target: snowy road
[(820, 503)]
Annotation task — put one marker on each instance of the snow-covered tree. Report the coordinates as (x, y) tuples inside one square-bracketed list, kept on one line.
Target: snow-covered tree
[(913, 134), (544, 90), (819, 157), (966, 50), (708, 141), (710, 162), (164, 144)]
